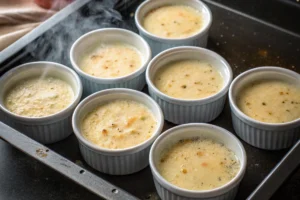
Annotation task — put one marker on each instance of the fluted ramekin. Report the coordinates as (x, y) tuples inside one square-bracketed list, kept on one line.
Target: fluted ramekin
[(271, 136), (180, 111), (48, 129), (91, 84), (159, 44), (116, 161), (168, 191)]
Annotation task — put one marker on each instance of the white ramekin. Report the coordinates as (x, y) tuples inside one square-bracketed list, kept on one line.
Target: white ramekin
[(91, 84), (159, 44), (48, 129), (116, 161), (168, 191), (271, 136), (181, 111)]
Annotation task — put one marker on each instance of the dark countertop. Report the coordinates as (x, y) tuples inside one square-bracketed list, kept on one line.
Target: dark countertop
[(245, 44), (283, 13)]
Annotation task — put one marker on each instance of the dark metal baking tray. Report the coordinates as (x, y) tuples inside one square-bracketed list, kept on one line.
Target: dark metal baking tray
[(245, 42)]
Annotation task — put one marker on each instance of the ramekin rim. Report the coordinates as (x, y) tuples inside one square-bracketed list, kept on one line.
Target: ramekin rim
[(196, 193), (57, 115), (205, 100), (117, 79), (248, 119), (117, 152), (154, 37)]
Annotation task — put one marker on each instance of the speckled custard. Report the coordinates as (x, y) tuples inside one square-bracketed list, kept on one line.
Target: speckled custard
[(272, 101), (188, 79), (119, 124), (111, 60), (173, 21), (198, 164), (39, 97)]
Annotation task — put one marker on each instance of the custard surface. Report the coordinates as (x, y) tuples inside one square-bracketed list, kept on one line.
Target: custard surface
[(272, 101), (188, 79), (198, 164), (111, 60), (173, 21), (39, 97), (119, 124)]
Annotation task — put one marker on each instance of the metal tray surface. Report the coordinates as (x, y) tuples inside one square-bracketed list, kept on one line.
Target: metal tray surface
[(244, 41)]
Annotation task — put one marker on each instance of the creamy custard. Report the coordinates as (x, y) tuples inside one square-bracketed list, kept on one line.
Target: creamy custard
[(272, 101), (173, 21), (39, 97), (188, 79), (119, 124), (198, 164), (111, 60)]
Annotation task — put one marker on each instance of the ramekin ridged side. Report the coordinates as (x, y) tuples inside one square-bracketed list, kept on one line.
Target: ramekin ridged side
[(116, 161), (168, 195), (265, 139), (91, 84), (159, 44), (115, 165), (269, 136), (43, 133), (180, 111), (48, 129), (168, 191), (181, 114), (136, 83)]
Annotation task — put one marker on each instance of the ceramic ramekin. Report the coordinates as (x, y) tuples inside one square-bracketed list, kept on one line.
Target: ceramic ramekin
[(116, 161), (271, 136), (92, 84), (159, 44), (181, 111), (168, 191), (48, 129)]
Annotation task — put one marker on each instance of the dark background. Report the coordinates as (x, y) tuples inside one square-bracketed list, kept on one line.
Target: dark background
[(283, 13)]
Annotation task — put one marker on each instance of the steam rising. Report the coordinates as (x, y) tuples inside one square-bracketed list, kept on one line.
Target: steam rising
[(55, 44)]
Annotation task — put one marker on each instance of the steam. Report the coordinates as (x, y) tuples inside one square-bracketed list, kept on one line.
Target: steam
[(55, 44)]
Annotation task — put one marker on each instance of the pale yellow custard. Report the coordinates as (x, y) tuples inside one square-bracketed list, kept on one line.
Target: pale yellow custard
[(173, 21), (198, 164), (272, 101), (119, 124), (188, 79), (39, 97), (111, 60)]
